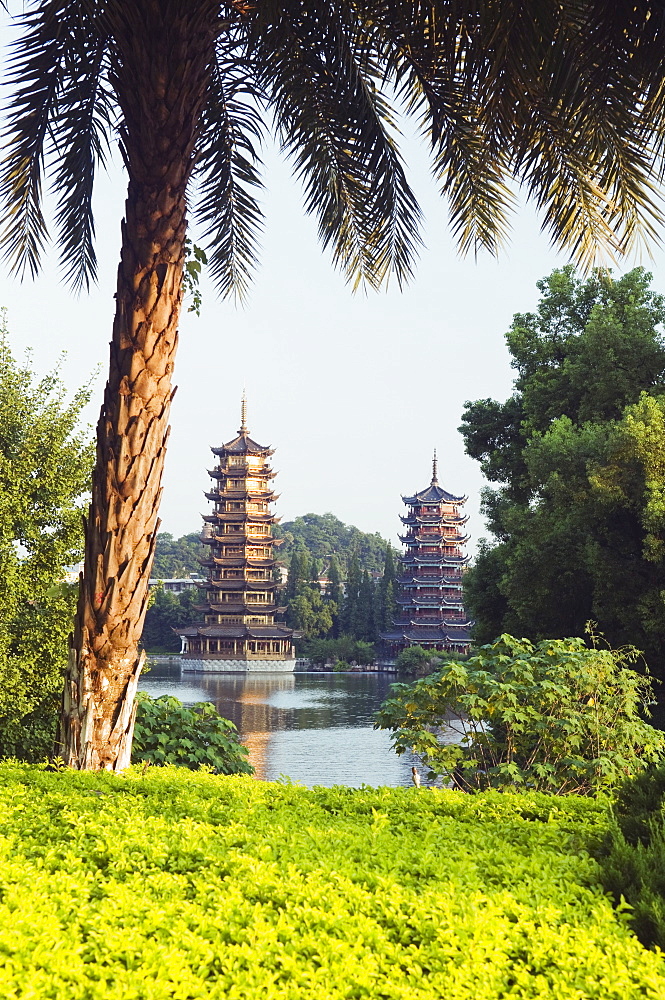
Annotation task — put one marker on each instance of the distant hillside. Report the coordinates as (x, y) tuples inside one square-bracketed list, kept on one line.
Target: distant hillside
[(176, 557), (322, 535)]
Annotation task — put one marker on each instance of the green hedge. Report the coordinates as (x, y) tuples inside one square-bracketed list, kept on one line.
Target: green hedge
[(632, 855), (177, 885)]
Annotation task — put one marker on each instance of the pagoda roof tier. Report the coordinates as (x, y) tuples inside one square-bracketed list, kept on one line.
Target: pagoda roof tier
[(235, 631), (228, 539), (240, 516), (417, 634), (452, 520), (434, 538), (240, 537), (432, 580), (444, 560), (234, 471), (240, 609), (419, 558), (236, 584), (245, 516), (406, 619), (237, 562), (438, 579), (231, 470), (243, 444), (253, 495), (414, 626), (418, 599), (434, 494), (426, 602)]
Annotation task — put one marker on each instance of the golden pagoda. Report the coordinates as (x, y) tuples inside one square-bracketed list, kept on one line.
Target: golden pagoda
[(239, 631)]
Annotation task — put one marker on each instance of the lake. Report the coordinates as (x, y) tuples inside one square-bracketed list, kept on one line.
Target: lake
[(315, 728)]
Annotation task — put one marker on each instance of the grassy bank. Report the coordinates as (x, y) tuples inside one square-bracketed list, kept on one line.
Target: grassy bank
[(178, 885)]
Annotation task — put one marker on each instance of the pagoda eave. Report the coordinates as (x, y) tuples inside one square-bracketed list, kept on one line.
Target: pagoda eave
[(241, 609)]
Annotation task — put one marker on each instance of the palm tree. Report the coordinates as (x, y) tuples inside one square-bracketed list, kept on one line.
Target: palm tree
[(562, 97)]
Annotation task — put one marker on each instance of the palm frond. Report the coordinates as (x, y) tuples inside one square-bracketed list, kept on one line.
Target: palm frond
[(228, 172), (559, 99), (36, 69), (53, 111), (336, 124), (80, 138)]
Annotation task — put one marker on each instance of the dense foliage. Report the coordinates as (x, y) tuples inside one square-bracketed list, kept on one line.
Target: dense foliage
[(344, 650), (324, 535), (181, 884), (166, 612), (168, 732), (577, 453), (418, 661), (45, 463), (177, 557), (358, 609), (633, 854), (556, 717)]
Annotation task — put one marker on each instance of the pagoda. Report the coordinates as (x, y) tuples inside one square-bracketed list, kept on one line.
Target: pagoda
[(238, 631), (430, 607)]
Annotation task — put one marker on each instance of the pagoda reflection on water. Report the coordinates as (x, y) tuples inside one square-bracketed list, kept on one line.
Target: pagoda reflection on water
[(430, 608), (239, 632)]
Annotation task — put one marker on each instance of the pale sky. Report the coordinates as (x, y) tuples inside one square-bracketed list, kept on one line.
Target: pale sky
[(353, 391)]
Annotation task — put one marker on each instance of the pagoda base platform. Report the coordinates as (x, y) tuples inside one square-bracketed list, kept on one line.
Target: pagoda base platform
[(208, 663)]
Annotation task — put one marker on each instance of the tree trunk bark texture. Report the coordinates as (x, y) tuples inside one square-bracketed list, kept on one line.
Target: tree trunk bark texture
[(162, 53)]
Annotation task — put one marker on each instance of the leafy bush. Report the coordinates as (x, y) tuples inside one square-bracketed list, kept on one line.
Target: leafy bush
[(45, 463), (633, 854), (184, 884), (416, 660), (168, 732), (556, 717), (345, 649)]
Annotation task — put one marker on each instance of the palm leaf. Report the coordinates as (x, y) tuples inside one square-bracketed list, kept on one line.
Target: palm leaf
[(54, 115), (336, 125), (80, 136), (227, 173), (36, 70), (557, 99)]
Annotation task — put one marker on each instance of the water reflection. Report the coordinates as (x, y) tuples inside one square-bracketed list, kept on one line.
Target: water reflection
[(315, 728)]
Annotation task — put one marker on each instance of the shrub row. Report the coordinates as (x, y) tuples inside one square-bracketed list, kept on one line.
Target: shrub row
[(186, 885), (632, 855)]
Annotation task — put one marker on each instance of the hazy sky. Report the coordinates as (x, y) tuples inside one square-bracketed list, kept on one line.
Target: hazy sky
[(354, 391)]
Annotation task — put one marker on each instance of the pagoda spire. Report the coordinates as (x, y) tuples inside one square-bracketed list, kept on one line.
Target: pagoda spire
[(243, 414), (434, 464)]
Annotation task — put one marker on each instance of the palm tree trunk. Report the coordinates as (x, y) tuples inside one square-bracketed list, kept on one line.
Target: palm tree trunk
[(161, 67)]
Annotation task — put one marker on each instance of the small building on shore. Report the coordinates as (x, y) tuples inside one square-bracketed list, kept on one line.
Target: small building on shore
[(238, 630)]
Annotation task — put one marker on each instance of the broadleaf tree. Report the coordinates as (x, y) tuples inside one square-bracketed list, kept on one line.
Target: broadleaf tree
[(562, 98), (45, 461), (577, 456)]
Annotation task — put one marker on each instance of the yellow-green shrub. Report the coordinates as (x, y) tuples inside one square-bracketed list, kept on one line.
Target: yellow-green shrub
[(178, 886)]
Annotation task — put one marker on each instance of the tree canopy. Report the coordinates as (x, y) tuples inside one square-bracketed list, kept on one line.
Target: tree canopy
[(324, 536), (577, 452), (45, 462), (177, 557)]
